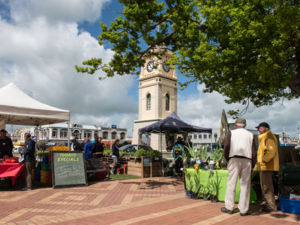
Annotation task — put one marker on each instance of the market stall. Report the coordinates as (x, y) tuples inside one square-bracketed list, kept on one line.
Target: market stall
[(172, 124), (17, 108), (11, 170)]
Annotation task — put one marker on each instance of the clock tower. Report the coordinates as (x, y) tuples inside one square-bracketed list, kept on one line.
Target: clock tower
[(157, 95)]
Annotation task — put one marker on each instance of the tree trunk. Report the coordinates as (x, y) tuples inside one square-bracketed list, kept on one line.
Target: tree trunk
[(294, 83)]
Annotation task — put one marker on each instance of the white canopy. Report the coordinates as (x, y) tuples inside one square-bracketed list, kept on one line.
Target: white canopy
[(18, 108)]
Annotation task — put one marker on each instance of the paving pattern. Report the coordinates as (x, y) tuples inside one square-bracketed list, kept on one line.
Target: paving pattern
[(136, 201)]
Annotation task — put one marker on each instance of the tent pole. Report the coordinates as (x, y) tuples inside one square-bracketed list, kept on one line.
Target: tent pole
[(68, 135), (162, 163)]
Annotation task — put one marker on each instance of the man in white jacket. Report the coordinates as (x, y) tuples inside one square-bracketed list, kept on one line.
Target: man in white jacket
[(240, 153)]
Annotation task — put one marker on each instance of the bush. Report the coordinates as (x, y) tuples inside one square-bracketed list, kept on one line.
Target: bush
[(148, 153), (41, 145)]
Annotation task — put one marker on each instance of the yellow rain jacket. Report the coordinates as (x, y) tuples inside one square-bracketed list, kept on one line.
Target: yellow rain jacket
[(267, 155)]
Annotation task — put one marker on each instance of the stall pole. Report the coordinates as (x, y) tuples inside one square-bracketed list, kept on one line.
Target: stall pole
[(68, 135), (162, 163)]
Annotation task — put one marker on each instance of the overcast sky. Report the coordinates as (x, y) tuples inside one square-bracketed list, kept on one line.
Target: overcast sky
[(42, 41)]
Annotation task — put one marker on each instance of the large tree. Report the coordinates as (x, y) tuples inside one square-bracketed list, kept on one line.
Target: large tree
[(246, 50)]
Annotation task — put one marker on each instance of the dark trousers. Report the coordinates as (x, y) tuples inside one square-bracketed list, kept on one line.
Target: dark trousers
[(267, 188), (28, 168), (178, 165)]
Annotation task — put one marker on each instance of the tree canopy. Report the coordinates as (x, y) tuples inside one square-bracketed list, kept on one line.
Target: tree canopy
[(248, 51)]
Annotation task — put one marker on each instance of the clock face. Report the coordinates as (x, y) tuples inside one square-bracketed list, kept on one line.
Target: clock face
[(150, 66), (166, 67)]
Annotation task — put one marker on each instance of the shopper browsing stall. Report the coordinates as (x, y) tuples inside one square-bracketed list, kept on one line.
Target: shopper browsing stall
[(29, 159), (267, 163), (115, 155), (178, 151), (240, 153), (6, 145)]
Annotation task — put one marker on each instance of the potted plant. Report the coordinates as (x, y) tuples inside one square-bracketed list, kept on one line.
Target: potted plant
[(214, 186), (188, 190), (206, 193)]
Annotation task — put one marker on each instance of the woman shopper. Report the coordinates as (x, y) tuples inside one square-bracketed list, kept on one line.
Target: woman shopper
[(87, 149), (115, 155)]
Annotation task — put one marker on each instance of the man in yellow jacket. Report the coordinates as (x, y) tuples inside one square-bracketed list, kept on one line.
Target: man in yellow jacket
[(267, 163)]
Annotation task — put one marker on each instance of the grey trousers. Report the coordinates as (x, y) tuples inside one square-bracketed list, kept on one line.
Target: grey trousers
[(28, 168), (238, 168)]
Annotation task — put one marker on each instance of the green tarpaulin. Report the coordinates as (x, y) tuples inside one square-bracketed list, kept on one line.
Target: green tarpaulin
[(204, 176)]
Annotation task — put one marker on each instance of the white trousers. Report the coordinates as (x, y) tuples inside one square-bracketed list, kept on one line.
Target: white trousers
[(238, 168)]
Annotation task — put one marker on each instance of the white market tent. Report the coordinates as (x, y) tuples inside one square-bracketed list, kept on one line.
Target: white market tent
[(18, 108)]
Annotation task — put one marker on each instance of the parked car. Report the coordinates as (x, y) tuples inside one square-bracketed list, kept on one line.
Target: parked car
[(133, 148)]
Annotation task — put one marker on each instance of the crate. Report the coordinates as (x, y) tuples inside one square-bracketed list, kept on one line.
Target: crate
[(289, 205), (5, 183)]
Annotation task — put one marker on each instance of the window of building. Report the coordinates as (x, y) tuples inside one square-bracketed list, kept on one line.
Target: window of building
[(63, 133), (87, 134), (195, 136), (54, 132), (200, 136), (122, 135), (113, 135), (209, 136), (167, 102), (215, 136), (148, 106), (205, 136), (105, 135)]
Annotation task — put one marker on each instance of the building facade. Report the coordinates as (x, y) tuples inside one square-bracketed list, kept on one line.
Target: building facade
[(205, 139), (157, 96), (58, 133)]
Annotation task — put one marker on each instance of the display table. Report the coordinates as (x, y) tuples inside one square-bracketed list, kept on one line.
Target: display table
[(204, 176), (12, 170)]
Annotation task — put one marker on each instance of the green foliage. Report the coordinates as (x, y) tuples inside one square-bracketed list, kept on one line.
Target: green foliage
[(217, 155), (249, 51), (41, 145), (197, 154), (148, 153), (214, 184), (122, 176)]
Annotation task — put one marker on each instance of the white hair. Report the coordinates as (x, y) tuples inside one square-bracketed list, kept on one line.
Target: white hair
[(240, 125)]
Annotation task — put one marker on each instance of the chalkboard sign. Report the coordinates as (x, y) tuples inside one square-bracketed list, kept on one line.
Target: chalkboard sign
[(68, 168)]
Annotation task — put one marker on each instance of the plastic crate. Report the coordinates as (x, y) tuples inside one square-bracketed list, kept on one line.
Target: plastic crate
[(289, 205)]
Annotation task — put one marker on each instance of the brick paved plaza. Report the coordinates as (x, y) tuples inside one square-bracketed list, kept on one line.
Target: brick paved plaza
[(135, 201)]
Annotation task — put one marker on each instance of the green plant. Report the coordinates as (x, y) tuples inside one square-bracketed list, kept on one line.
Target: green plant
[(197, 154), (203, 153), (148, 153), (217, 155), (41, 145), (214, 184)]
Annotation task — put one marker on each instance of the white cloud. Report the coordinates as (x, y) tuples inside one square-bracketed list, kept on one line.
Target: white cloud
[(56, 10), (205, 110), (40, 56)]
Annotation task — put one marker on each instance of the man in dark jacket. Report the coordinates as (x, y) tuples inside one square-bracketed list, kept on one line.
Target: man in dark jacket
[(29, 159), (6, 145), (97, 148)]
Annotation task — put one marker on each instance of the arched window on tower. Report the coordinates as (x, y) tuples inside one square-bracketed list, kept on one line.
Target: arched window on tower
[(167, 102), (148, 106)]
